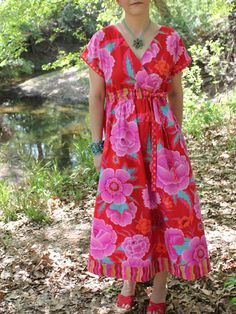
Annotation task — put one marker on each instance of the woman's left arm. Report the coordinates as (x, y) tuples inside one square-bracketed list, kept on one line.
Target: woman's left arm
[(175, 97)]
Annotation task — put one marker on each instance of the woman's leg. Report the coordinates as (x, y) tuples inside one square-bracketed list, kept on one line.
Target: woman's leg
[(159, 290), (128, 289)]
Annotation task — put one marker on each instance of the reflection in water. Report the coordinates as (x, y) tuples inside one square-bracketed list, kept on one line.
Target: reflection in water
[(42, 129), (65, 151), (5, 131)]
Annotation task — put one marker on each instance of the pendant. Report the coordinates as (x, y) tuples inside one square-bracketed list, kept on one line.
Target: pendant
[(138, 43)]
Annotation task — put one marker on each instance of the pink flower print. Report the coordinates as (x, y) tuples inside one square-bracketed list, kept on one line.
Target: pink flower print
[(150, 198), (107, 62), (103, 239), (136, 246), (172, 171), (93, 46), (113, 186), (197, 250), (147, 81), (197, 205), (122, 214), (125, 137), (173, 46), (124, 108), (150, 53), (135, 262), (173, 237)]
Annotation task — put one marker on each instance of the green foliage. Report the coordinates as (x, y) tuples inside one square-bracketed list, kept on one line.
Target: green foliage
[(32, 17), (64, 60), (195, 17), (85, 158), (230, 284), (206, 66), (210, 56), (4, 193), (200, 114)]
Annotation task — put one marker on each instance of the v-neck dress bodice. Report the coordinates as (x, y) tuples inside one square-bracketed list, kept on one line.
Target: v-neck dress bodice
[(147, 215)]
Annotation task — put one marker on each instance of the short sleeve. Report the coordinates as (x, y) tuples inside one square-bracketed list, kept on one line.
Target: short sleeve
[(91, 53), (181, 58)]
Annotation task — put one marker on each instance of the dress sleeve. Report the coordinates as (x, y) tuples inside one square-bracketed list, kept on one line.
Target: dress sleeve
[(91, 53), (182, 58)]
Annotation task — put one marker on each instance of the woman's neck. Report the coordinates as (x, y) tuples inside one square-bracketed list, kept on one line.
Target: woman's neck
[(137, 23)]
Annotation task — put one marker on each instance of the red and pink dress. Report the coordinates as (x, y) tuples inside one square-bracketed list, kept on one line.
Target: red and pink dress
[(147, 216)]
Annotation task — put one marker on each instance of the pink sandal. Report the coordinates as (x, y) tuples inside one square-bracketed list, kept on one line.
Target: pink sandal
[(127, 300), (158, 308)]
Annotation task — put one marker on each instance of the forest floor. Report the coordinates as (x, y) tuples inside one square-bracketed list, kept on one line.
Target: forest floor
[(43, 268)]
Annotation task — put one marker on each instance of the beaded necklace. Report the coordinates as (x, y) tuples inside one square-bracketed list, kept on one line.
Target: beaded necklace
[(138, 42)]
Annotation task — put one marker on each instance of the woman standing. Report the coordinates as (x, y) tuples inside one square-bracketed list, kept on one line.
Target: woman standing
[(147, 219)]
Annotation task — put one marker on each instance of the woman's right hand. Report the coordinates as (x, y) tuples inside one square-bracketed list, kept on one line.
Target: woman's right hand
[(98, 161)]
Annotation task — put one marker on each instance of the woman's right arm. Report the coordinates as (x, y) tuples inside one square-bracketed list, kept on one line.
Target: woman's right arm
[(96, 110)]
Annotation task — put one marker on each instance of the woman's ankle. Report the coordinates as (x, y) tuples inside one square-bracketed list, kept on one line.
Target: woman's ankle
[(159, 294), (128, 287)]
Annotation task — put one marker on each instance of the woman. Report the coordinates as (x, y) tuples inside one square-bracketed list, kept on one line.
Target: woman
[(147, 220)]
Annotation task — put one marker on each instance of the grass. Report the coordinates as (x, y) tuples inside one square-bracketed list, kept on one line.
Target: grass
[(201, 115), (45, 181)]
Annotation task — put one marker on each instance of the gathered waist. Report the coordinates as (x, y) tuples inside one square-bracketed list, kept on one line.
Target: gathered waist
[(137, 93)]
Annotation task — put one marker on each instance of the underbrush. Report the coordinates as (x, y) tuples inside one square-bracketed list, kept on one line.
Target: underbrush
[(202, 114), (45, 183)]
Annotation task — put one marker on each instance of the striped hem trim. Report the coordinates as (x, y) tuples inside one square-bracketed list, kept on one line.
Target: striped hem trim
[(146, 273)]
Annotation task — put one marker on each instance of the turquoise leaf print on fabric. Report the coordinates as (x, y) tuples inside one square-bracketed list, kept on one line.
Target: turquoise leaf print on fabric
[(101, 207), (137, 119), (149, 144), (184, 195), (134, 155), (90, 59), (180, 248), (129, 68), (119, 207), (120, 248), (110, 46), (164, 110), (107, 260), (170, 123), (131, 170), (176, 138), (131, 81)]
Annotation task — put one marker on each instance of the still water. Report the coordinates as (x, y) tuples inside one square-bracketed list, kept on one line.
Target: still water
[(39, 128)]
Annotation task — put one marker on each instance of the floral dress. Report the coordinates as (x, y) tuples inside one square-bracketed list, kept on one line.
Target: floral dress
[(147, 216)]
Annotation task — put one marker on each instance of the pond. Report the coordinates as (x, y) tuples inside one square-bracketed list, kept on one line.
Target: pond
[(38, 128)]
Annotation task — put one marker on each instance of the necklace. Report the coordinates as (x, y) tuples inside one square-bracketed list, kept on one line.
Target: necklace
[(138, 42)]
